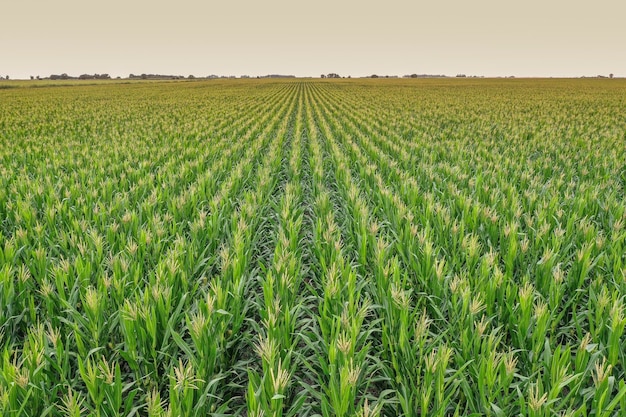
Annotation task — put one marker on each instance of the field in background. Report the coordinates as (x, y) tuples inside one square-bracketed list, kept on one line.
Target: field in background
[(314, 247)]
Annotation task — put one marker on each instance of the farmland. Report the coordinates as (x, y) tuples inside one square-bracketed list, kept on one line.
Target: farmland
[(314, 247)]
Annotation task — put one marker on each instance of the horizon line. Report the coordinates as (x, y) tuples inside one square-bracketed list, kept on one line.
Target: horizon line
[(164, 77)]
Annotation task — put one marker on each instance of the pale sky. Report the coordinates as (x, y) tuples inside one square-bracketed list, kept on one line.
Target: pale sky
[(308, 38)]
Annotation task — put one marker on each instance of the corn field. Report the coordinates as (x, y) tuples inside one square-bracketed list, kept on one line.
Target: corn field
[(314, 248)]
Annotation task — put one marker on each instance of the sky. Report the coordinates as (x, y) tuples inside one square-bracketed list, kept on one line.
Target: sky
[(523, 38)]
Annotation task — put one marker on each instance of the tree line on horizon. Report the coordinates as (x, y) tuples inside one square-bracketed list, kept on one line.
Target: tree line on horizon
[(144, 76)]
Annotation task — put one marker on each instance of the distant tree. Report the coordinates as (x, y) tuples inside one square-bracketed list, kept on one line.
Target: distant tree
[(610, 75), (374, 76), (32, 78), (6, 78), (323, 75), (191, 77)]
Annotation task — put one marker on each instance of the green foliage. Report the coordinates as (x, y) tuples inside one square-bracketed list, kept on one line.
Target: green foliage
[(299, 248)]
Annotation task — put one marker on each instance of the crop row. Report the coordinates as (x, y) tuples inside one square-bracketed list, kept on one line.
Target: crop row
[(331, 248)]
